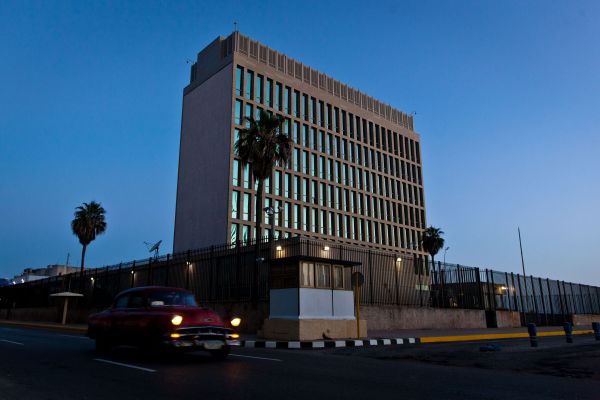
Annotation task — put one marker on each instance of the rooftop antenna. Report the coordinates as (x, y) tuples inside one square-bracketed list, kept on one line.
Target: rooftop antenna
[(521, 247), (153, 248)]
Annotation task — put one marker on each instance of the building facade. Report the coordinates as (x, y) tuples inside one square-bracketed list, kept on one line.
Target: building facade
[(355, 175)]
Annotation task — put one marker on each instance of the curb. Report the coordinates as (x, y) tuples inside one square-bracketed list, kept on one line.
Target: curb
[(496, 336), (325, 344), (51, 327)]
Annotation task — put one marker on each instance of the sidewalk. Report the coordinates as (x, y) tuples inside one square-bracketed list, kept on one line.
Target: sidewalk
[(70, 328)]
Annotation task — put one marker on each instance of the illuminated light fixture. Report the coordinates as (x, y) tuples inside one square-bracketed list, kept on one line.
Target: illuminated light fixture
[(503, 288), (234, 336), (22, 280), (131, 272), (399, 259), (175, 335), (236, 321), (177, 320), (326, 248), (92, 279), (278, 248)]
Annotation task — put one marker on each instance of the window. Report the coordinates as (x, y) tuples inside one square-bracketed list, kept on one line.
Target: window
[(296, 132), (235, 173), (245, 233), (137, 301), (296, 216), (234, 233), (278, 103), (277, 183), (304, 189), (323, 275), (287, 185), (269, 94), (307, 272), (246, 176), (246, 207), (305, 214), (338, 277), (235, 198), (248, 114), (296, 104), (286, 100), (122, 302), (249, 84), (239, 80), (238, 112), (296, 187), (259, 88)]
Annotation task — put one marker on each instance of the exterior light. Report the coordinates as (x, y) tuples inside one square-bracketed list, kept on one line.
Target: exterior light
[(132, 272), (234, 336), (326, 248), (22, 280), (278, 248), (92, 279), (175, 335), (503, 288), (236, 321), (177, 320), (398, 259)]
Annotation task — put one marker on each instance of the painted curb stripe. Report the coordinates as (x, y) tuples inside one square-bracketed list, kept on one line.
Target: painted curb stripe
[(321, 344), (493, 336)]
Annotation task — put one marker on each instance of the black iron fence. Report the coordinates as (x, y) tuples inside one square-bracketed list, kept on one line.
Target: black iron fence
[(238, 274)]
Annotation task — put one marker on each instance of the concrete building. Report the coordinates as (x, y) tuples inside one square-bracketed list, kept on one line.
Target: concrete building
[(34, 274), (355, 176)]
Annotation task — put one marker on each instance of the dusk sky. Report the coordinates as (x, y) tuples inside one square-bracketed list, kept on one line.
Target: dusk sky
[(506, 96)]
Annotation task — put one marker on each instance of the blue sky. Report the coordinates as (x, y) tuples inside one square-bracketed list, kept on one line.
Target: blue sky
[(506, 95)]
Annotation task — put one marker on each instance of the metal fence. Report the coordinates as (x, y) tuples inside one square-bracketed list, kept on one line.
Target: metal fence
[(238, 274)]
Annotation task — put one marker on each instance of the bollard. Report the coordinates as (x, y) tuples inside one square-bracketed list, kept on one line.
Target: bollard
[(531, 328), (596, 328), (568, 332)]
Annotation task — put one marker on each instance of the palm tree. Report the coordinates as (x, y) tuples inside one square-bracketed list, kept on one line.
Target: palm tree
[(432, 242), (262, 145), (89, 222)]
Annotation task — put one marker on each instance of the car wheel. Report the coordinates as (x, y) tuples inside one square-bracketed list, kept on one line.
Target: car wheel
[(220, 354), (103, 345)]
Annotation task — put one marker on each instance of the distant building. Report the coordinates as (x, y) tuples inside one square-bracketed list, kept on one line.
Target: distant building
[(31, 274), (355, 174)]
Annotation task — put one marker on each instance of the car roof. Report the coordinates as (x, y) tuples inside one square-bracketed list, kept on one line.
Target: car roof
[(146, 289)]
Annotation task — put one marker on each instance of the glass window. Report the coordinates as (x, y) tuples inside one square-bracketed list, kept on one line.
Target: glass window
[(323, 275), (286, 215), (246, 176), (305, 107), (305, 189), (235, 173), (245, 233), (338, 277), (249, 84), (246, 207), (296, 104), (313, 165), (137, 300), (234, 233), (305, 162), (259, 88), (238, 112), (307, 272), (297, 160), (239, 80), (122, 302), (277, 183), (248, 113), (268, 93), (286, 100), (295, 136), (322, 222), (235, 198), (336, 119), (305, 213), (313, 220), (287, 185), (278, 103), (296, 187), (296, 216), (322, 167)]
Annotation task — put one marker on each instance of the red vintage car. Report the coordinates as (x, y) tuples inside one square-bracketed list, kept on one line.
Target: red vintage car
[(162, 317)]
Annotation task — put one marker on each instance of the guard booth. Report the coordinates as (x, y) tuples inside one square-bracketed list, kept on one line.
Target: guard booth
[(311, 298)]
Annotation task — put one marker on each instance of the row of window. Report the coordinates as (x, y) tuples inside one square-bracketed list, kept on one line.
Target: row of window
[(339, 227), (335, 146), (322, 276), (292, 186), (350, 202), (284, 99)]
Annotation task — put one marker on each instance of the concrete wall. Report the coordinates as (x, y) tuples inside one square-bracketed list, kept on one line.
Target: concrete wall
[(381, 318), (311, 329), (585, 319), (203, 180), (508, 319)]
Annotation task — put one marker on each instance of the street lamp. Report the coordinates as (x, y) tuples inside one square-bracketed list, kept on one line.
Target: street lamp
[(271, 211), (445, 250)]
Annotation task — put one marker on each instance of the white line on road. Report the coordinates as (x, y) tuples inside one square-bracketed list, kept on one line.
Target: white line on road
[(258, 358), (73, 336), (10, 341), (125, 365)]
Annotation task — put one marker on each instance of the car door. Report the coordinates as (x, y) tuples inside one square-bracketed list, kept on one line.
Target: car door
[(133, 318)]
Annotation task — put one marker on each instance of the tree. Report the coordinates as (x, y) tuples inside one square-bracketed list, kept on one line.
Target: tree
[(262, 145), (88, 223), (432, 242)]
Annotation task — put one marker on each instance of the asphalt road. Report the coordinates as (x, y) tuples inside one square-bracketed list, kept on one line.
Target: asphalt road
[(36, 364)]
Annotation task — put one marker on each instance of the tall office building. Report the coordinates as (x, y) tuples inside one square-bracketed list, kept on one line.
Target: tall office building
[(355, 175)]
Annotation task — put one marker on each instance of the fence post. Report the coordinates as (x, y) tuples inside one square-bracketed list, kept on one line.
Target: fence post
[(550, 302), (167, 268), (370, 277), (493, 292), (149, 278), (535, 305), (560, 298), (521, 298), (119, 279), (542, 300), (480, 292)]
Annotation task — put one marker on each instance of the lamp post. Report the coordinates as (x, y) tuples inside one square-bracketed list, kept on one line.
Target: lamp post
[(445, 250), (271, 211)]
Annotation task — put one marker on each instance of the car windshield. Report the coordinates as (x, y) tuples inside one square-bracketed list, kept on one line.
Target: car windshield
[(171, 298)]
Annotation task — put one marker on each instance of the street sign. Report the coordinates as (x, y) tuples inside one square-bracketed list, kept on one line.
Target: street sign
[(357, 279)]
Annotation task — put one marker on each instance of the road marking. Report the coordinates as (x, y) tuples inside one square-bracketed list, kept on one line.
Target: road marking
[(258, 358), (73, 336), (124, 365), (10, 341)]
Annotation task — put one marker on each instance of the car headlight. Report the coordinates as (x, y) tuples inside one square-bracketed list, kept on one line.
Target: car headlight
[(236, 321), (177, 320)]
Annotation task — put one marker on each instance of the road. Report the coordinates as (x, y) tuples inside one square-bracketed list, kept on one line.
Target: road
[(37, 364)]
